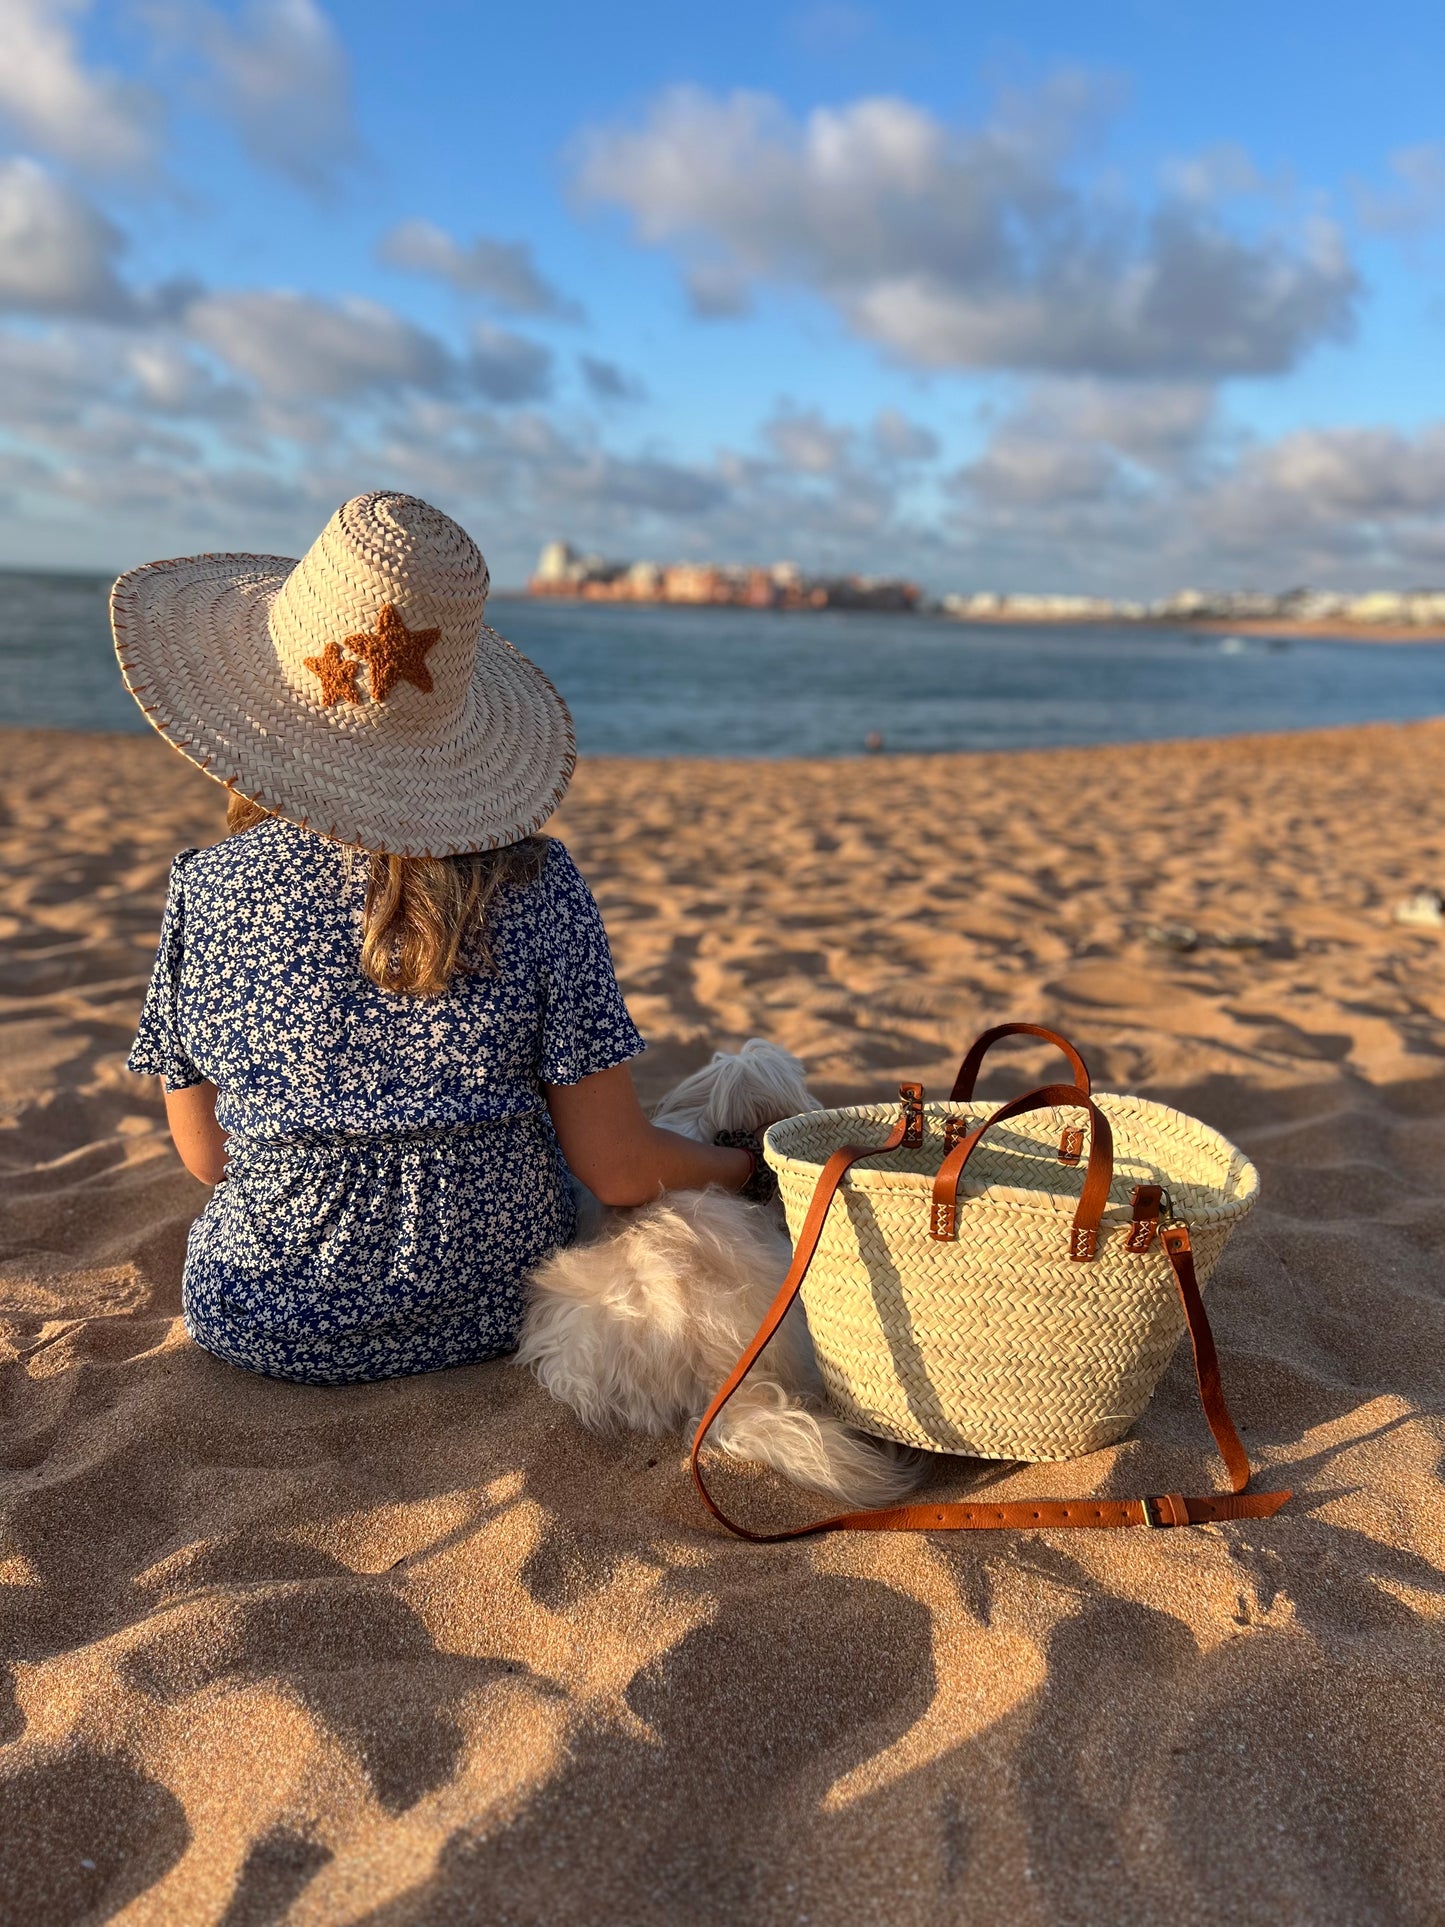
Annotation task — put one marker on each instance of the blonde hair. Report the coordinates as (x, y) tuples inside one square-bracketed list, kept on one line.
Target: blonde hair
[(425, 917)]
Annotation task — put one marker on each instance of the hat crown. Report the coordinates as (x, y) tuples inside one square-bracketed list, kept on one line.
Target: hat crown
[(382, 552)]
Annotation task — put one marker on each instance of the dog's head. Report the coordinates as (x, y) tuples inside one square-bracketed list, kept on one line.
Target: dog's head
[(744, 1090)]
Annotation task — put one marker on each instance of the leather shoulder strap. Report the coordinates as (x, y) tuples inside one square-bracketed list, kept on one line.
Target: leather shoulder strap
[(1166, 1509), (968, 1070)]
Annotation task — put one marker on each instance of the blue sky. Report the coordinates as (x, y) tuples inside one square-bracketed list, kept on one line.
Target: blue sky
[(1120, 298)]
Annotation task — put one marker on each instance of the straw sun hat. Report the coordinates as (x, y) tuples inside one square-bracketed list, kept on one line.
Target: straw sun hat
[(358, 691)]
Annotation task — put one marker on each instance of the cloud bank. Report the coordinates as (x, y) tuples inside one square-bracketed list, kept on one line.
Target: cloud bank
[(965, 248), (1098, 327)]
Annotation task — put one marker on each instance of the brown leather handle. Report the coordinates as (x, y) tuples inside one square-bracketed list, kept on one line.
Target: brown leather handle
[(980, 1047), (1167, 1509), (1098, 1176)]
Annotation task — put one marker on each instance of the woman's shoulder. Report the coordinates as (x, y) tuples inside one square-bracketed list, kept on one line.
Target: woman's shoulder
[(558, 866), (548, 897), (560, 880), (268, 850)]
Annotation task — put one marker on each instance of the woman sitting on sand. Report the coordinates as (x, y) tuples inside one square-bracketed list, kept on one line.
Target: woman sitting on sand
[(381, 1038)]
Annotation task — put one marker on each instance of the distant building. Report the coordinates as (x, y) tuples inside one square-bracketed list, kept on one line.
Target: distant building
[(562, 571), (557, 563), (644, 580)]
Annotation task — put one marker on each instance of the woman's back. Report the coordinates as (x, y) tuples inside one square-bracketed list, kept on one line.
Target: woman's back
[(258, 988), (392, 1172)]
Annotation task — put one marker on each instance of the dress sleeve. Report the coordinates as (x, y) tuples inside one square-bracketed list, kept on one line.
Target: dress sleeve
[(585, 1025), (157, 1050)]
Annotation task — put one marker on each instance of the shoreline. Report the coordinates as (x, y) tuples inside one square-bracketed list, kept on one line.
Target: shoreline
[(854, 759), (1331, 630)]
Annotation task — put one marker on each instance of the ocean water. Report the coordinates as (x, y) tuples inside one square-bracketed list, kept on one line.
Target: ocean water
[(720, 682)]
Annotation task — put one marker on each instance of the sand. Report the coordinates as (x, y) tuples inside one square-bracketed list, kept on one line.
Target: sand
[(427, 1652), (1328, 629)]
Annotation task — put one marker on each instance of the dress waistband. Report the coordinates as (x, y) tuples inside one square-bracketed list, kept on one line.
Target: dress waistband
[(377, 1140)]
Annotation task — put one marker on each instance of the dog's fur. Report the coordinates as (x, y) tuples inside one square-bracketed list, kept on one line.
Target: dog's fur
[(639, 1322)]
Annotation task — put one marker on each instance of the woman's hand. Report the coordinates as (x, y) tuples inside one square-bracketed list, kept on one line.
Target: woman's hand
[(620, 1156), (191, 1114)]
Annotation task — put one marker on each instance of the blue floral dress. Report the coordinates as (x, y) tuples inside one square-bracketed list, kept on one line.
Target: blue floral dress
[(392, 1174)]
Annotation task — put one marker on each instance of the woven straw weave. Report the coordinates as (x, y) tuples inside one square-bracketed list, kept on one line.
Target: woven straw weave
[(997, 1344), (473, 750)]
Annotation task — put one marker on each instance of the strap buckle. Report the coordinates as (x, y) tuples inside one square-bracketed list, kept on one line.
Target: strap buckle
[(1172, 1510)]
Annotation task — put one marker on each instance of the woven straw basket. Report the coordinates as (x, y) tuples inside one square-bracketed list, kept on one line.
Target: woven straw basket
[(997, 1341)]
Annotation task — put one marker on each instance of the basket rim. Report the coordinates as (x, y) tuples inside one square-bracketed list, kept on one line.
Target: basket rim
[(886, 1177)]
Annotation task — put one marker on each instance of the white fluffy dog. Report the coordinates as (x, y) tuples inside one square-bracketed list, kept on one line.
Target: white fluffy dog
[(640, 1321)]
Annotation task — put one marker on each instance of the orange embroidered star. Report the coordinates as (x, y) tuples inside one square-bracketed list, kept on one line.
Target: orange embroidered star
[(393, 653), (338, 676)]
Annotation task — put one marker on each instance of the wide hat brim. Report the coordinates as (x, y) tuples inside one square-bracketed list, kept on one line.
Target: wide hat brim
[(195, 650)]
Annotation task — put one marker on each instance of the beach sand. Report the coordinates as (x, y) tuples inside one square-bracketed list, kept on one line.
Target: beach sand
[(427, 1652), (1330, 629)]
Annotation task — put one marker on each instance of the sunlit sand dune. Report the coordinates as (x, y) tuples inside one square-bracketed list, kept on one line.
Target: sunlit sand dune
[(426, 1652)]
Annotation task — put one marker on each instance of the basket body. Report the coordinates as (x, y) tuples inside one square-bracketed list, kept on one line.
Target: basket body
[(996, 1343)]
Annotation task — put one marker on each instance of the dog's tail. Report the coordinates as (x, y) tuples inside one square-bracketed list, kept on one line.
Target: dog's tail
[(801, 1439)]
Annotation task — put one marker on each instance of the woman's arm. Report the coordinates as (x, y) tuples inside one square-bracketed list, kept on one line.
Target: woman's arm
[(191, 1114), (621, 1157)]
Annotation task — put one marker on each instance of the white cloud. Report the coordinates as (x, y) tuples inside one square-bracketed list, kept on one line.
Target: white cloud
[(1415, 199), (46, 380), (64, 381), (56, 104), (716, 292), (278, 72), (899, 440), (1039, 471), (1089, 477), (502, 271), (957, 247), (57, 253), (170, 379), (1137, 489), (646, 483), (606, 382), (508, 367), (1158, 425), (528, 477), (804, 441), (298, 348), (1370, 472), (1217, 173)]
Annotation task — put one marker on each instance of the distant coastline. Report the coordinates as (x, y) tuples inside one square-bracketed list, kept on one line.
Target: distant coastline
[(1378, 615), (1337, 629)]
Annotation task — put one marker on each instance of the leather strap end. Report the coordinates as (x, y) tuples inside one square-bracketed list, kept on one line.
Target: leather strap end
[(1236, 1505)]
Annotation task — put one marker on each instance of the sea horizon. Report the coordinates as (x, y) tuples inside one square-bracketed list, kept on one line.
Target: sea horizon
[(656, 680)]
